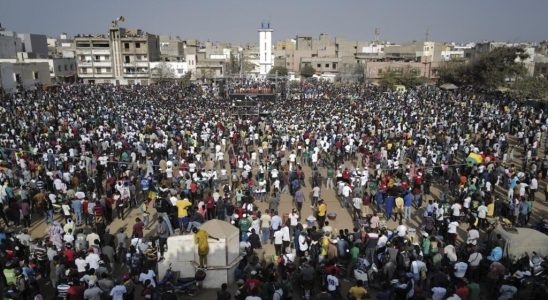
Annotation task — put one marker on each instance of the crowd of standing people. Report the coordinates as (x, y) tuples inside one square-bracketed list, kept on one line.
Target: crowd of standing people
[(81, 156)]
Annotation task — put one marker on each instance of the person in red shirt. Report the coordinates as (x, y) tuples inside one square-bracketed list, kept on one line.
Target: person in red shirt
[(462, 290), (98, 210), (346, 175), (138, 228), (76, 291), (85, 211), (193, 190), (69, 254), (210, 205), (252, 283), (109, 201)]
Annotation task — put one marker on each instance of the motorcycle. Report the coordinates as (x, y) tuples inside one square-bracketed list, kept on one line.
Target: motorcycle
[(366, 272), (172, 284)]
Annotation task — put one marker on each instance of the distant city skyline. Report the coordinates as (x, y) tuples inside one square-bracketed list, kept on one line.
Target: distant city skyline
[(238, 20)]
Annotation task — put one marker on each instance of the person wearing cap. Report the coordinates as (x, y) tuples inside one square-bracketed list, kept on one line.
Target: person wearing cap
[(93, 292), (460, 269), (118, 291), (333, 284)]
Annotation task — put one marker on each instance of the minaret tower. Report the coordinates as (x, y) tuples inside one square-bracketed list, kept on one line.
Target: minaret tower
[(265, 48)]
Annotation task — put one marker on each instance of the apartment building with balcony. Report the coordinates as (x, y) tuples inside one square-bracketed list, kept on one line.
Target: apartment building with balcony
[(121, 57)]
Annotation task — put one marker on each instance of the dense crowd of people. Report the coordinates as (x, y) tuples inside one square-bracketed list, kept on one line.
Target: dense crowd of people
[(80, 156)]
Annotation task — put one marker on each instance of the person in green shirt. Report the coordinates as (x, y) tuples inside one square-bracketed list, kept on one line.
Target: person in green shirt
[(239, 196), (245, 224), (425, 245), (330, 175), (474, 289), (355, 252)]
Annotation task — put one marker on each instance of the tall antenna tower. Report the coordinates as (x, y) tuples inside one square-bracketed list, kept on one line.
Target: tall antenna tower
[(427, 34), (377, 34)]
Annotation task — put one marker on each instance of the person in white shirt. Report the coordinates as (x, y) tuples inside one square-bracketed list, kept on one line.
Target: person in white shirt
[(293, 220), (303, 244), (357, 205), (346, 190), (438, 293), (118, 291), (148, 275), (472, 236), (81, 264), (416, 267), (452, 232), (482, 214), (278, 241), (315, 196), (92, 260), (332, 284), (456, 212), (286, 237), (460, 269)]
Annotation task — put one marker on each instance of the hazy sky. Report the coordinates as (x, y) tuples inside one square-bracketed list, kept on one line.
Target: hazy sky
[(237, 20)]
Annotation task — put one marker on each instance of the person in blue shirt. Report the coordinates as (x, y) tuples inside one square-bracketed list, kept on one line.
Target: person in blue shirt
[(523, 211), (407, 201), (379, 199), (76, 205), (388, 206)]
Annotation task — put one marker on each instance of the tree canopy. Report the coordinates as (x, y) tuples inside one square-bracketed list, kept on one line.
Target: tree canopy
[(408, 79), (278, 70), (307, 71), (489, 70), (530, 88)]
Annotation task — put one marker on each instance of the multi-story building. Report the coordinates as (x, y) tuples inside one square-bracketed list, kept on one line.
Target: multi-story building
[(122, 57), (171, 48), (15, 73), (61, 69), (10, 44), (415, 51), (35, 45)]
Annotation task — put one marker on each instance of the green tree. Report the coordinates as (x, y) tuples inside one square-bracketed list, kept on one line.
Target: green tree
[(452, 72), (307, 71), (530, 88), (185, 80), (278, 70), (408, 79), (389, 79), (489, 70), (358, 73)]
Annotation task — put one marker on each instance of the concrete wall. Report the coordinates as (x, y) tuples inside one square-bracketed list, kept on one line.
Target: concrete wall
[(179, 68), (27, 74), (376, 70), (8, 46), (7, 82), (182, 254), (36, 44)]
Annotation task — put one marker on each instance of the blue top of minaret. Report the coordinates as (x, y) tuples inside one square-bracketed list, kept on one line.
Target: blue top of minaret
[(265, 25)]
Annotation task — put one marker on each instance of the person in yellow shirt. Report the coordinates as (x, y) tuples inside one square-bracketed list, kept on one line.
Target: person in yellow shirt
[(201, 240), (321, 212), (182, 213), (357, 292), (399, 209)]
